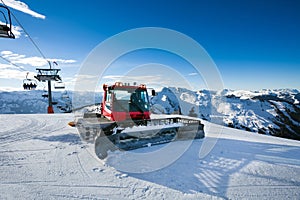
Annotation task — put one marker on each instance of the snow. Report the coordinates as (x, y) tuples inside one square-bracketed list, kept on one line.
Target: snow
[(30, 102), (153, 127), (265, 111), (42, 158)]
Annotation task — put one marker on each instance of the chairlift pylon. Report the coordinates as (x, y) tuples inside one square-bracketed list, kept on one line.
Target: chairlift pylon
[(48, 75), (6, 29)]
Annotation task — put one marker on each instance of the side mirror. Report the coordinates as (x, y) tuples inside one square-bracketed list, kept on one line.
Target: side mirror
[(153, 93)]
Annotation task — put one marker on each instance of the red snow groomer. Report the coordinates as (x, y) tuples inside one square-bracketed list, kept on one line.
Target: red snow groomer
[(122, 102), (124, 122)]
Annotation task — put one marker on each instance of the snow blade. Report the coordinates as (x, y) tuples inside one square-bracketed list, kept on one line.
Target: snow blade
[(102, 145), (72, 124)]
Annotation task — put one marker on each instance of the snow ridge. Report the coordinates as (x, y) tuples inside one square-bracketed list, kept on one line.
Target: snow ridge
[(272, 112)]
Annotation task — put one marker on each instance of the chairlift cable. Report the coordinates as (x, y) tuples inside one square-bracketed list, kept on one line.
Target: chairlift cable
[(39, 76), (17, 67), (13, 63), (4, 16), (30, 38)]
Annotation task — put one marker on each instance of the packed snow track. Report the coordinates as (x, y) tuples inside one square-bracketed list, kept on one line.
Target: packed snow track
[(41, 157)]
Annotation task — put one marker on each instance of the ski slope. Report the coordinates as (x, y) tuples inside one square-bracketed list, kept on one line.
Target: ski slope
[(42, 158)]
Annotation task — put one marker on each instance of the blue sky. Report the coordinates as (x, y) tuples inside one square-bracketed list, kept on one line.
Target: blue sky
[(255, 44)]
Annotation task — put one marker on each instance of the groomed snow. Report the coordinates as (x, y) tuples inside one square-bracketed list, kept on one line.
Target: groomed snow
[(42, 158)]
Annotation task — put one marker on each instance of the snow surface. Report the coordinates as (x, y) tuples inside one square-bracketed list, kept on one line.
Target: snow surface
[(42, 158)]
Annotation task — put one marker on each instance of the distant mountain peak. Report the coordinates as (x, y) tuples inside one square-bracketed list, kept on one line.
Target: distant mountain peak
[(274, 112)]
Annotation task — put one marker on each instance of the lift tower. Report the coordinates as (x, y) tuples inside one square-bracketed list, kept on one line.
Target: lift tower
[(48, 75)]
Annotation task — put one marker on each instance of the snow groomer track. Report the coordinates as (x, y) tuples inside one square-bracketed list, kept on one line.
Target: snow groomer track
[(41, 157)]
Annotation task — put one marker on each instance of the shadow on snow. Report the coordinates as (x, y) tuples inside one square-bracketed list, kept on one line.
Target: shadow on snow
[(231, 165), (71, 138)]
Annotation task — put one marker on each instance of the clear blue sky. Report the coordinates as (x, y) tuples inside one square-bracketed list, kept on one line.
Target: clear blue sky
[(255, 44)]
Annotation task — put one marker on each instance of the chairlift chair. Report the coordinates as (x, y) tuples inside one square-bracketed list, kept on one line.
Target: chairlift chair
[(59, 85), (65, 95), (45, 95), (29, 84), (6, 29)]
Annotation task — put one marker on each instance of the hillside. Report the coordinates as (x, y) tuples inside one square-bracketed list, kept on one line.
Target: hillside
[(29, 102), (273, 112), (34, 102)]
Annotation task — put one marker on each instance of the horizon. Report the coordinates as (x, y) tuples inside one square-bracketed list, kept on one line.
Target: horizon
[(2, 89), (254, 44)]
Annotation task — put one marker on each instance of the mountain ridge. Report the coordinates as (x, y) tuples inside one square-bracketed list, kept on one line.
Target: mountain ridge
[(273, 112)]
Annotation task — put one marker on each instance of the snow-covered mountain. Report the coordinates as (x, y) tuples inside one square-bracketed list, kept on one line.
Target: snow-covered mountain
[(35, 101), (274, 112)]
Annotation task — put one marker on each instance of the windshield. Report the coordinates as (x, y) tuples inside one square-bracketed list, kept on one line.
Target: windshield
[(132, 100)]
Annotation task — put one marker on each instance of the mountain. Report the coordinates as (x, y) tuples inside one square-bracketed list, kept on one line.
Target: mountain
[(35, 101), (272, 112)]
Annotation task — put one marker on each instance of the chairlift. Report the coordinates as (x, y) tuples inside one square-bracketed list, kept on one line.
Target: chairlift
[(65, 95), (59, 85), (29, 84), (48, 75), (45, 95), (65, 108), (65, 104), (6, 28)]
